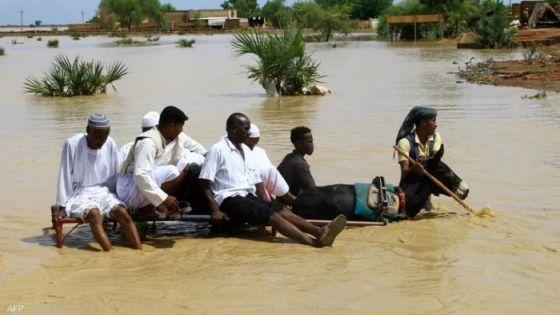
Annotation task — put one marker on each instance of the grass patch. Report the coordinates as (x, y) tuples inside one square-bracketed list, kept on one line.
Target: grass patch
[(185, 43), (75, 77), (53, 43)]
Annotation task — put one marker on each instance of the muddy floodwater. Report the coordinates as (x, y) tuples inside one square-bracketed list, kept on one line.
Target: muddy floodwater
[(505, 147)]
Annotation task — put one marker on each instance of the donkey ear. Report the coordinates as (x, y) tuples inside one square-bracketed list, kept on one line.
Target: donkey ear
[(439, 154)]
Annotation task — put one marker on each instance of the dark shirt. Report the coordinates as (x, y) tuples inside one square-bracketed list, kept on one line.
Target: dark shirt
[(295, 170)]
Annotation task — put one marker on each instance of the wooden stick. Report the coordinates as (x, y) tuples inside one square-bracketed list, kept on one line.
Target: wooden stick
[(435, 180), (348, 223)]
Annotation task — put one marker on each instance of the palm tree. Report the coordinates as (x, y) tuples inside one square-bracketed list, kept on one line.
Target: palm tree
[(77, 77), (283, 66)]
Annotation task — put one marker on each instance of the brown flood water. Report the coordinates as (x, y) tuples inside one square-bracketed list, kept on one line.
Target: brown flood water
[(507, 149)]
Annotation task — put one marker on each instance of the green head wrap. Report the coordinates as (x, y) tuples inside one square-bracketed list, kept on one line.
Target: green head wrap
[(415, 114)]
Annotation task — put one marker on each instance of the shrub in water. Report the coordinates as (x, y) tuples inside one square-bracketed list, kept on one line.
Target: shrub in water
[(283, 66), (77, 77), (183, 43), (53, 43), (2, 51)]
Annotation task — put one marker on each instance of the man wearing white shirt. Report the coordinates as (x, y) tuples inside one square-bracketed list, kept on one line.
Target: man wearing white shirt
[(86, 179), (154, 169), (273, 182), (230, 182)]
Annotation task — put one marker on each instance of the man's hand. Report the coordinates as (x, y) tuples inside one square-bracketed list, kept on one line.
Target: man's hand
[(418, 167), (169, 203), (218, 217)]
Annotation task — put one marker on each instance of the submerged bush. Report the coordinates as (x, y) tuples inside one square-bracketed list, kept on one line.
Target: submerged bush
[(2, 51), (184, 43), (124, 41), (283, 66), (53, 43), (77, 77)]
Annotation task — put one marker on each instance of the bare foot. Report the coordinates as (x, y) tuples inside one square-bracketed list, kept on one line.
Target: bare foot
[(331, 231)]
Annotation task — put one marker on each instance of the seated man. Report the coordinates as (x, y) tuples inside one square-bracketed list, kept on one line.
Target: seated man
[(88, 168), (151, 171), (193, 152), (149, 121), (230, 181), (274, 184), (294, 168)]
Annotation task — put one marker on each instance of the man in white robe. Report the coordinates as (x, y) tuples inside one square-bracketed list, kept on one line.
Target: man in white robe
[(273, 182), (155, 168), (86, 179)]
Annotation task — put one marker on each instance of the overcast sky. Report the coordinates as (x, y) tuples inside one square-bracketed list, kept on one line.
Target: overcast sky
[(70, 11)]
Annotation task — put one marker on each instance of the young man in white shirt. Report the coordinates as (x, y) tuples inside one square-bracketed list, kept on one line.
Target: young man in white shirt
[(230, 183), (151, 173), (86, 182)]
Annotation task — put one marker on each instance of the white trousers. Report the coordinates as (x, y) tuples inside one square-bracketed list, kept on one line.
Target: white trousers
[(129, 192), (87, 198), (273, 182)]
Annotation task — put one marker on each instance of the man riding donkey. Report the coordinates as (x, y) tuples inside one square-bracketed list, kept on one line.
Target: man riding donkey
[(418, 137), (86, 182)]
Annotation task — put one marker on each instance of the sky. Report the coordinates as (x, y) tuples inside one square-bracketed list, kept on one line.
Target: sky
[(70, 11)]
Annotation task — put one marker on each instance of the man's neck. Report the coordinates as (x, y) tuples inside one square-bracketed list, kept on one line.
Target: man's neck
[(422, 136)]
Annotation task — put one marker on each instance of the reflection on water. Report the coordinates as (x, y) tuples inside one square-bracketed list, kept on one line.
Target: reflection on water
[(504, 146)]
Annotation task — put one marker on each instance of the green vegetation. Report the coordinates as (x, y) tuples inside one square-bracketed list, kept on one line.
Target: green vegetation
[(277, 13), (76, 35), (283, 66), (167, 7), (185, 43), (53, 43), (245, 8), (124, 41), (77, 77), (2, 51), (130, 12), (493, 29), (39, 39)]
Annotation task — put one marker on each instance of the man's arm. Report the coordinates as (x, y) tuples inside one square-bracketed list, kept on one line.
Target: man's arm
[(65, 188), (217, 216), (306, 179), (144, 154)]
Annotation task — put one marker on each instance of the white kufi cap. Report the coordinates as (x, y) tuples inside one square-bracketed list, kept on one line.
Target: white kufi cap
[(150, 120), (254, 131)]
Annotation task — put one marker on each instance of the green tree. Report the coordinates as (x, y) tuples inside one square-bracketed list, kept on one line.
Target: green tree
[(168, 7), (307, 14), (283, 66), (133, 12), (365, 9), (457, 12), (244, 8), (493, 30), (277, 13)]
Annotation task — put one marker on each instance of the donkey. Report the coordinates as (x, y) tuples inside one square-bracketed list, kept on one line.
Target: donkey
[(326, 202)]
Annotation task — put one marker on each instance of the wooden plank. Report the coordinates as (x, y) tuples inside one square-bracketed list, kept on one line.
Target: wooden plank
[(410, 19)]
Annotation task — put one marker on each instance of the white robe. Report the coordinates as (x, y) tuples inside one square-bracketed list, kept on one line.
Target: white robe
[(87, 177), (273, 182)]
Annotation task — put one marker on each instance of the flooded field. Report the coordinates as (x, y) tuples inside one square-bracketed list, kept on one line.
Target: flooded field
[(507, 148)]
